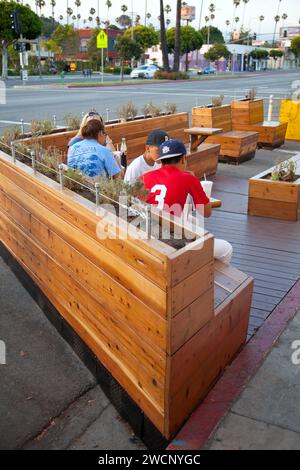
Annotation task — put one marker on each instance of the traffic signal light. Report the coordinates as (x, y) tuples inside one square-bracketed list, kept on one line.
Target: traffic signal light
[(22, 47), (254, 36), (15, 22)]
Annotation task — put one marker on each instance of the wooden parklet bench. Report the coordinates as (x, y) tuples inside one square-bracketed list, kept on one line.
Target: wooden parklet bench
[(236, 146), (163, 321), (202, 161), (249, 116)]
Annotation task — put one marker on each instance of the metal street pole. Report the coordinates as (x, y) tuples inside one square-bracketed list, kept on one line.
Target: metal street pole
[(132, 59)]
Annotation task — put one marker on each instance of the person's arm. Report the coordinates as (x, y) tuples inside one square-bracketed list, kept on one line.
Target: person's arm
[(109, 144), (132, 173), (111, 167), (199, 196), (207, 210)]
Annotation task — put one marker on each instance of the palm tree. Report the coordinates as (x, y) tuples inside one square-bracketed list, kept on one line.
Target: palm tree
[(261, 19), (40, 4), (163, 39), (69, 13), (244, 10), (276, 19), (124, 8), (78, 5), (98, 21), (176, 65), (61, 17), (227, 22), (53, 5), (92, 13), (109, 5), (284, 18), (236, 3), (211, 8), (168, 10), (137, 20), (148, 16)]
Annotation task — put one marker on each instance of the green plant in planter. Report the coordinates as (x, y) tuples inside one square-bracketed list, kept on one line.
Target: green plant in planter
[(41, 127), (9, 136), (112, 189), (286, 171), (217, 101), (74, 180), (128, 111), (72, 121), (146, 110), (171, 108), (154, 110), (251, 94)]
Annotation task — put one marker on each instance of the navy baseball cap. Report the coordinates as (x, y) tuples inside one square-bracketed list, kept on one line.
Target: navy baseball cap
[(171, 148), (157, 137)]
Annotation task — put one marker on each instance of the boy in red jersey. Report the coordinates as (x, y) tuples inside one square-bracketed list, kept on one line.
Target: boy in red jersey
[(171, 187), (174, 190)]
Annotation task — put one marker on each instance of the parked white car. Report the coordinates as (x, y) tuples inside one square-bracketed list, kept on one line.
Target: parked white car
[(144, 71)]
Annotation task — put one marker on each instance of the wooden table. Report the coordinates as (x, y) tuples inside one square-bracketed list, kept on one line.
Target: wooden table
[(199, 134)]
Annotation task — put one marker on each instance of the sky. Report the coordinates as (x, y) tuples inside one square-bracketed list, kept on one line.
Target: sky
[(224, 11)]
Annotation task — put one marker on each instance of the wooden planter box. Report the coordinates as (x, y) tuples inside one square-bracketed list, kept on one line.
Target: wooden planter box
[(203, 161), (236, 146), (208, 116), (247, 112), (274, 199), (149, 312), (249, 116)]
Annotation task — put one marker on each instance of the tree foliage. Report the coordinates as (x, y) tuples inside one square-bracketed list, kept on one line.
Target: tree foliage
[(295, 46), (31, 23), (217, 52), (145, 36), (66, 38), (215, 35), (31, 28), (128, 48), (276, 53), (49, 26), (259, 54), (191, 40)]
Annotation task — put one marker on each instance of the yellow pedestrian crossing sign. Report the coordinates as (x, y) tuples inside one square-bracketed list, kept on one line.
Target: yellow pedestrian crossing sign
[(102, 40)]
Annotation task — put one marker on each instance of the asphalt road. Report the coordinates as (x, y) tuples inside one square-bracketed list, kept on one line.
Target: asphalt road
[(44, 101)]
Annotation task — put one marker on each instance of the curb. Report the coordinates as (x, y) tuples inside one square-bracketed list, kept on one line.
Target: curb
[(159, 82), (203, 422)]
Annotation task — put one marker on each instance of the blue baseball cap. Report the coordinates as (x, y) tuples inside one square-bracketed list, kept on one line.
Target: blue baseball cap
[(171, 148)]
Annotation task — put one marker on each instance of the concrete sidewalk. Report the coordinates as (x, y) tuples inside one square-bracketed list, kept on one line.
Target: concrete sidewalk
[(49, 400), (266, 416)]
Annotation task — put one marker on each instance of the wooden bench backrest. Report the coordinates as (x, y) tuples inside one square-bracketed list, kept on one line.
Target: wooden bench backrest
[(135, 133)]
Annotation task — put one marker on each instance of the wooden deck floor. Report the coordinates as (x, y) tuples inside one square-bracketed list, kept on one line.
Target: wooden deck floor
[(266, 249)]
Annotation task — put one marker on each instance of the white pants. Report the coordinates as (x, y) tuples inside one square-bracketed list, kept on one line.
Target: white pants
[(223, 251)]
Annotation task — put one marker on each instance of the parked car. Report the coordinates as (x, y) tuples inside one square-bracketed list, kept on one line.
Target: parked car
[(144, 71), (209, 71)]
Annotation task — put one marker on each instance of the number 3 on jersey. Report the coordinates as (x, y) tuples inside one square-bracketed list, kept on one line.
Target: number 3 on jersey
[(161, 189)]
